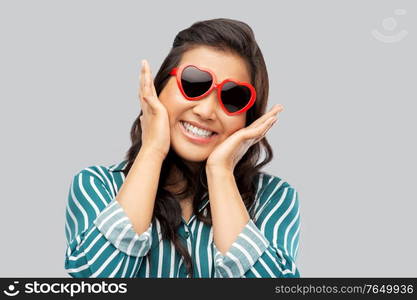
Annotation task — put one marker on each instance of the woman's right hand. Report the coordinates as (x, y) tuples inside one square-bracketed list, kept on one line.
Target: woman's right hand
[(154, 120)]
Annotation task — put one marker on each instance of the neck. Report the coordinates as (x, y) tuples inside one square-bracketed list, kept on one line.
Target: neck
[(175, 181)]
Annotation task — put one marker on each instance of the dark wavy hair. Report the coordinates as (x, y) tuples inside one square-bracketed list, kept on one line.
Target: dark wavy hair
[(220, 34)]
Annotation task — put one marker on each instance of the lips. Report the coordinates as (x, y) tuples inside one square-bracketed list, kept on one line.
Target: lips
[(195, 124), (194, 138), (186, 126)]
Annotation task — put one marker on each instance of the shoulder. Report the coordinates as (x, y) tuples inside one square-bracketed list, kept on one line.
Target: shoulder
[(268, 184), (93, 187), (98, 178), (103, 173), (273, 191)]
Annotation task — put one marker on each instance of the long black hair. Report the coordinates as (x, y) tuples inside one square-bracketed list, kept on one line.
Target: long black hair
[(221, 34)]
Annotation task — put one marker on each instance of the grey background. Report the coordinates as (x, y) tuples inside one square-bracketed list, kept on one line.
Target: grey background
[(69, 76)]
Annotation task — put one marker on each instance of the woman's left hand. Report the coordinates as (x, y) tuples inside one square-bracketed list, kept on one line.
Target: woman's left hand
[(227, 154)]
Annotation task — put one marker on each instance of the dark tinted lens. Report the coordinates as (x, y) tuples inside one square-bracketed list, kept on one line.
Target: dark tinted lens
[(195, 82), (235, 97)]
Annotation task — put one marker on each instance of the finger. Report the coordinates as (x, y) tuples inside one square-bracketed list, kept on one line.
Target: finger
[(270, 124), (148, 91), (144, 83), (142, 72), (261, 127), (142, 79), (265, 130), (141, 121), (150, 80), (141, 85), (272, 112), (142, 101), (256, 132)]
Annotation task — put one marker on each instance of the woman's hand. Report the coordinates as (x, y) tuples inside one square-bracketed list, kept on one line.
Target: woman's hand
[(231, 150), (154, 120)]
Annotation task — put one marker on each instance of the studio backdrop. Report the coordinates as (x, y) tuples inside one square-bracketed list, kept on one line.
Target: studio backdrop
[(345, 72)]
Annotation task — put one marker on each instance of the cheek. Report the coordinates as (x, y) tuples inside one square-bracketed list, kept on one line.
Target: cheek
[(173, 106), (233, 126)]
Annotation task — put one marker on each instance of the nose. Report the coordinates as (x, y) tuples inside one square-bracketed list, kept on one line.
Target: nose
[(208, 106)]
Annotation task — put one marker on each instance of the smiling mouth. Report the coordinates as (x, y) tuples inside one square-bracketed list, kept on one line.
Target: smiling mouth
[(196, 131)]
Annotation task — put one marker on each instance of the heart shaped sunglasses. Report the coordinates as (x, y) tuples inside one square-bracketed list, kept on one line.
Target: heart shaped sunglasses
[(195, 83)]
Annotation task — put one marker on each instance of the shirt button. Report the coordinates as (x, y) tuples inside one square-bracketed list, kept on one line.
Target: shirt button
[(186, 234)]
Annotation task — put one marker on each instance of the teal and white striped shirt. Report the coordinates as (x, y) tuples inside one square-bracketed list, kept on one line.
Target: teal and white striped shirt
[(101, 241)]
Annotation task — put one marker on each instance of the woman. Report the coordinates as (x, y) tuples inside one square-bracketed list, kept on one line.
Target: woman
[(189, 200)]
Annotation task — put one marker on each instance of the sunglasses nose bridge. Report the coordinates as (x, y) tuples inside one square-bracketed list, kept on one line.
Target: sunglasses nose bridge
[(209, 104), (214, 89)]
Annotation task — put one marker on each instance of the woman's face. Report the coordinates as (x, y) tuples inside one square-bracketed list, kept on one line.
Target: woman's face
[(207, 111)]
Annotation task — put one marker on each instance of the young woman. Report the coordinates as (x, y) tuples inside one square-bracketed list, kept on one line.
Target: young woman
[(190, 200)]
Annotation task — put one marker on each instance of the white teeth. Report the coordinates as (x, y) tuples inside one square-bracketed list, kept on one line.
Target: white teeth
[(197, 131)]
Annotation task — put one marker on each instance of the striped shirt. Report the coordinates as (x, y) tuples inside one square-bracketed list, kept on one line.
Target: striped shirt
[(101, 241)]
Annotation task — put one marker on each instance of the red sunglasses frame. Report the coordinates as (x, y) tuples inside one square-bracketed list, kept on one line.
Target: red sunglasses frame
[(178, 72)]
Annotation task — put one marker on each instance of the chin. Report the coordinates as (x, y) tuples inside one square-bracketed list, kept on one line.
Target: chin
[(192, 158)]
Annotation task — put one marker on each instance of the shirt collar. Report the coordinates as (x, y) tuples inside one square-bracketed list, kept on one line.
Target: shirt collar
[(118, 167), (203, 204), (121, 166)]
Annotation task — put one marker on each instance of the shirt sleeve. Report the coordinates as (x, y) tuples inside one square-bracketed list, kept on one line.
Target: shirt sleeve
[(101, 241), (267, 246)]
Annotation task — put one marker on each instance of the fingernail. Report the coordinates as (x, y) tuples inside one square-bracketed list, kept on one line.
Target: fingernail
[(143, 63)]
